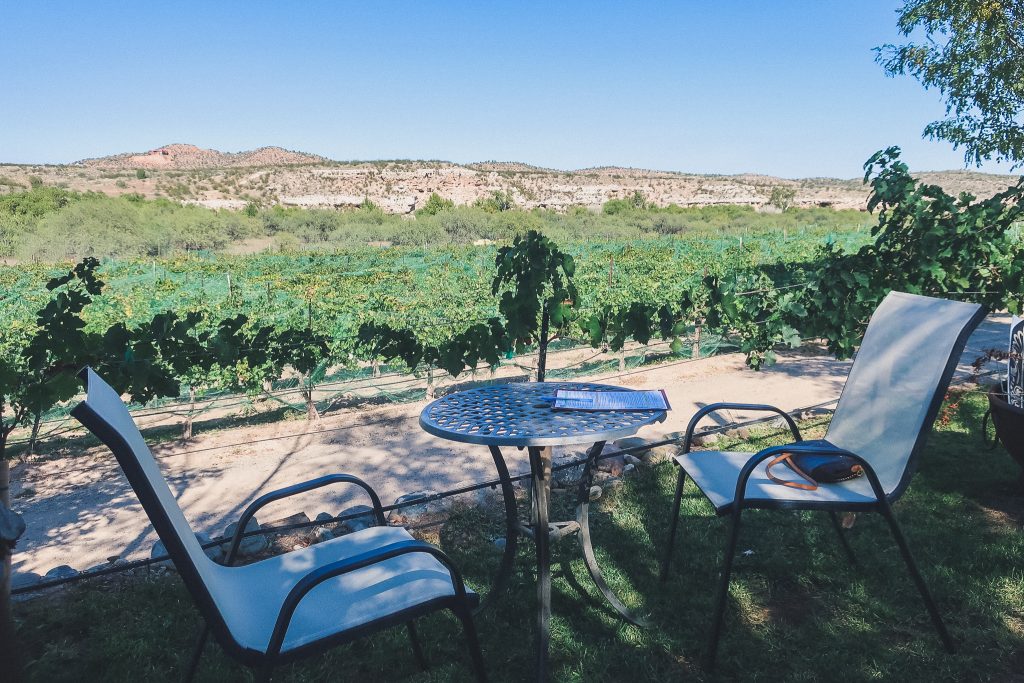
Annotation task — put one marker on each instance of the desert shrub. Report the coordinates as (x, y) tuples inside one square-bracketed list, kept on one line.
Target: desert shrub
[(782, 197), (634, 202), (498, 201), (38, 201), (9, 226), (371, 213), (434, 205), (39, 220), (85, 228)]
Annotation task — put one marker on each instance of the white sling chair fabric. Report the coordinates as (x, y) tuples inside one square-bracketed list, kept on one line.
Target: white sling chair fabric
[(882, 411), (249, 597)]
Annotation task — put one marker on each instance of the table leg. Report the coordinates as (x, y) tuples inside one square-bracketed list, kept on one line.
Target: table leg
[(511, 531), (540, 465), (583, 518)]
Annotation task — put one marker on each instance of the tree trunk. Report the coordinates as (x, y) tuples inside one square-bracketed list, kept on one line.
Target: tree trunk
[(430, 383), (312, 414), (696, 342), (542, 355), (186, 432), (10, 662), (34, 436)]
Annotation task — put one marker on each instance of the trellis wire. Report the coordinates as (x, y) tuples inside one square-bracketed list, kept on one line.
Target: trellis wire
[(493, 483), (87, 468)]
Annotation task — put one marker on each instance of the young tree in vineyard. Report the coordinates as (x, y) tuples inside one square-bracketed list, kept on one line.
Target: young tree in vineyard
[(534, 279), (308, 353)]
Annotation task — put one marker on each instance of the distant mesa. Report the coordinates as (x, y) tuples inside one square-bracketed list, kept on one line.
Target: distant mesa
[(509, 167), (181, 156), (273, 176)]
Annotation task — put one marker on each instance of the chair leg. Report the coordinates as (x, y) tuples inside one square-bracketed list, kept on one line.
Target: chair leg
[(417, 649), (673, 524), (842, 538), (465, 616), (723, 589), (915, 574), (197, 652)]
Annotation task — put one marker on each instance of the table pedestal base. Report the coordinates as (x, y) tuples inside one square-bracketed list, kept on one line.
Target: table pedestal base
[(540, 466)]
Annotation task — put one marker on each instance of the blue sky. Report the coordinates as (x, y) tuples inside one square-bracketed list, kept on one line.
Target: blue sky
[(784, 88)]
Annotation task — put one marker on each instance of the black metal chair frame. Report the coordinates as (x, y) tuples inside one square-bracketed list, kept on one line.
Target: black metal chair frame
[(882, 503), (461, 604)]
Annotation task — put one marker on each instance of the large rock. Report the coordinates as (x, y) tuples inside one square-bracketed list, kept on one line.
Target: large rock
[(61, 572), (364, 520), (738, 433), (568, 477), (706, 439), (484, 497), (322, 534), (23, 579), (422, 512), (648, 455), (214, 552), (613, 464), (12, 526), (250, 545), (290, 521), (324, 518)]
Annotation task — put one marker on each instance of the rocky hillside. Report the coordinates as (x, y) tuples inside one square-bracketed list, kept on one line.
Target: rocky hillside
[(187, 157), (271, 175)]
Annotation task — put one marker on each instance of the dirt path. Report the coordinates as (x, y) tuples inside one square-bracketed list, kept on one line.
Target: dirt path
[(83, 513)]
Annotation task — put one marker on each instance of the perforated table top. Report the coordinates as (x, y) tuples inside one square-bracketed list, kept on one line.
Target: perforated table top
[(516, 415)]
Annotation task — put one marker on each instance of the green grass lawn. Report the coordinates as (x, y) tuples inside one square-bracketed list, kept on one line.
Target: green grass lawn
[(798, 611)]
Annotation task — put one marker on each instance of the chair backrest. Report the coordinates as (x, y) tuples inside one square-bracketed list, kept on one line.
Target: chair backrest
[(898, 381), (105, 415)]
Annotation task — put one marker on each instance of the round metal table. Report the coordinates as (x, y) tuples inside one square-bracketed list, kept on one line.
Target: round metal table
[(519, 415)]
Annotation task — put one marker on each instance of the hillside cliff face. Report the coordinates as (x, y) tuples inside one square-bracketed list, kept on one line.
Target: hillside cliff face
[(188, 157), (272, 175)]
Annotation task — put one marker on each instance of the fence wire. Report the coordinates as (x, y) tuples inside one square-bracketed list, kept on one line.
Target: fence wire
[(470, 488)]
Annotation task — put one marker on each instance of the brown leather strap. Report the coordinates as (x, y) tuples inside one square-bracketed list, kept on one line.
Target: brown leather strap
[(787, 458)]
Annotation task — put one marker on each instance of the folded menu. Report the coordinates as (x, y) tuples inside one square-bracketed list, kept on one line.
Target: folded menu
[(653, 399)]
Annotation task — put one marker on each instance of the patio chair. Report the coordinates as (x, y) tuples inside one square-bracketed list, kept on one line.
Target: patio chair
[(286, 607), (886, 410)]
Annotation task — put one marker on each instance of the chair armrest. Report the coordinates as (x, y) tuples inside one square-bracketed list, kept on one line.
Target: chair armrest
[(714, 407), (351, 564), (378, 509), (815, 448)]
